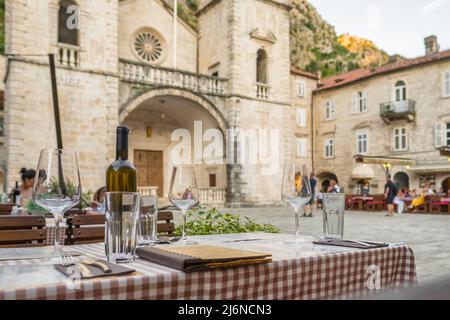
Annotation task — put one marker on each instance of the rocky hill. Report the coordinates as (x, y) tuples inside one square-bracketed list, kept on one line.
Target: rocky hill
[(315, 46)]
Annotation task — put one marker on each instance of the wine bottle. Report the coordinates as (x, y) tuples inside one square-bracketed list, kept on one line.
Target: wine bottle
[(121, 174), (16, 194)]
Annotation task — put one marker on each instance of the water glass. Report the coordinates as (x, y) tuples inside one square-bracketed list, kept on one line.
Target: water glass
[(148, 221), (333, 215), (122, 213)]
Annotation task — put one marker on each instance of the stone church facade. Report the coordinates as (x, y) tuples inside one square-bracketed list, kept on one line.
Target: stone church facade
[(118, 67)]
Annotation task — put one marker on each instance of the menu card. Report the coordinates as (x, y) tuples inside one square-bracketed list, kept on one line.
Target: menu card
[(201, 257)]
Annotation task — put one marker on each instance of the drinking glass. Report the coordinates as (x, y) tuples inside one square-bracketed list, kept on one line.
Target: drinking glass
[(184, 194), (333, 215), (57, 187), (148, 221), (122, 213), (296, 191)]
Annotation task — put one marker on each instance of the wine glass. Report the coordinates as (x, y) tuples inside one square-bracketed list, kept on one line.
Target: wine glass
[(184, 194), (57, 187), (296, 191)]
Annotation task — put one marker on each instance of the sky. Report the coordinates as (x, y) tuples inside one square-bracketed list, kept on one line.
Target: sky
[(396, 26)]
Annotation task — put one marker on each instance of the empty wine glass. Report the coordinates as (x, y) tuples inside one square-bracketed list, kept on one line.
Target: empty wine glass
[(184, 194), (296, 191), (57, 187)]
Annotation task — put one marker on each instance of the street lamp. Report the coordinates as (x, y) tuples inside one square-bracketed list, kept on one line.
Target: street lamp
[(387, 168)]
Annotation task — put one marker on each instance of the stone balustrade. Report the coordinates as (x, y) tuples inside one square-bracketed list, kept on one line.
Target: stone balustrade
[(148, 191), (159, 76), (213, 197), (68, 56), (262, 91)]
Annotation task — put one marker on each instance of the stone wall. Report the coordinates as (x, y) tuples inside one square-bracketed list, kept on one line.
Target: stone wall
[(137, 14), (88, 94)]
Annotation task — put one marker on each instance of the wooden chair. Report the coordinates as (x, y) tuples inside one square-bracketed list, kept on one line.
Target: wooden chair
[(82, 229), (436, 205), (165, 223), (24, 231), (6, 209), (351, 204), (377, 204)]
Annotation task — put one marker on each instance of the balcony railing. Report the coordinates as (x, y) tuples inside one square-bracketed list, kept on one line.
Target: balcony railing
[(159, 76), (399, 110), (262, 91), (148, 191), (213, 196), (68, 55)]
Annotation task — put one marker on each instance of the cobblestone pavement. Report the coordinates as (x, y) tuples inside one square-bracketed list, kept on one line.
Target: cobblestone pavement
[(427, 235)]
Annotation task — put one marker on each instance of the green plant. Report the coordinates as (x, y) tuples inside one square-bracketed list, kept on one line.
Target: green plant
[(206, 222), (33, 207)]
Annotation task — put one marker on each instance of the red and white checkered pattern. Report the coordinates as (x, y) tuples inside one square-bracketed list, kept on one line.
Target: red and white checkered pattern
[(325, 276), (51, 235)]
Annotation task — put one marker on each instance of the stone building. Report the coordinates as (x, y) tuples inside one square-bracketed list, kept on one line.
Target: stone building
[(120, 66), (401, 110)]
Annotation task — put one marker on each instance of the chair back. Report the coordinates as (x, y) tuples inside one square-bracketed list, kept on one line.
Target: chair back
[(6, 209), (165, 223), (26, 231), (82, 229)]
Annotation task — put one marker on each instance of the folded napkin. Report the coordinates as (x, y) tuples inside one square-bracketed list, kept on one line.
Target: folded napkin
[(96, 272), (201, 257), (350, 244)]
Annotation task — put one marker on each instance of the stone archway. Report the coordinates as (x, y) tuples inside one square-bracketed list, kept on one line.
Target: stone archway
[(154, 117), (446, 185), (325, 179), (401, 179), (207, 105)]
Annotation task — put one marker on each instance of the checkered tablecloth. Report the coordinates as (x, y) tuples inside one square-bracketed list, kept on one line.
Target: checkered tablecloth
[(298, 272), (51, 235)]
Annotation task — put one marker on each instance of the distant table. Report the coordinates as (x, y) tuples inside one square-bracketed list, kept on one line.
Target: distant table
[(361, 200), (298, 272)]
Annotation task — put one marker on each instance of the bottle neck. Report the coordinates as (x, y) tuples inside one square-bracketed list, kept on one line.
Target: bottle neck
[(122, 146)]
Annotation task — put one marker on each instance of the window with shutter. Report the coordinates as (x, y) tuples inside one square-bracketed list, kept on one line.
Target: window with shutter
[(400, 140), (301, 117), (447, 135), (301, 88), (354, 103), (329, 110), (329, 148), (439, 134), (447, 84), (301, 147), (362, 142)]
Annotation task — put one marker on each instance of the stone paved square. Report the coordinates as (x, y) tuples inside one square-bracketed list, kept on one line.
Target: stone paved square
[(428, 235)]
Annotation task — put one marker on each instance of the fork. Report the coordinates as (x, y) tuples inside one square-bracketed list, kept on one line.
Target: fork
[(68, 260)]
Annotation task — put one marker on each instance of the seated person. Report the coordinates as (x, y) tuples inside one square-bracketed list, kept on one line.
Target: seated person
[(98, 203), (26, 188)]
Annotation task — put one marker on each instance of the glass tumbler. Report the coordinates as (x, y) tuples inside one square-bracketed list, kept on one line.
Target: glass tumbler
[(122, 213)]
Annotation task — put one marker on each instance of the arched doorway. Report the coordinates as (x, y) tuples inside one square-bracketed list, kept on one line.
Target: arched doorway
[(325, 180), (401, 179), (163, 120), (446, 185)]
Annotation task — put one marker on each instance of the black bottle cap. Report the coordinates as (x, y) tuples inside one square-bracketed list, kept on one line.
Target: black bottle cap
[(123, 130)]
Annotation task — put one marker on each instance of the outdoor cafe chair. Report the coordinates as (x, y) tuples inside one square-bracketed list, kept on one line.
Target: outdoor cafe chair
[(22, 231), (6, 209)]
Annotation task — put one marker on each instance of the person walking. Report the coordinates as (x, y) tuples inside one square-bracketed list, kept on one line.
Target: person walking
[(309, 206), (400, 201), (390, 192)]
